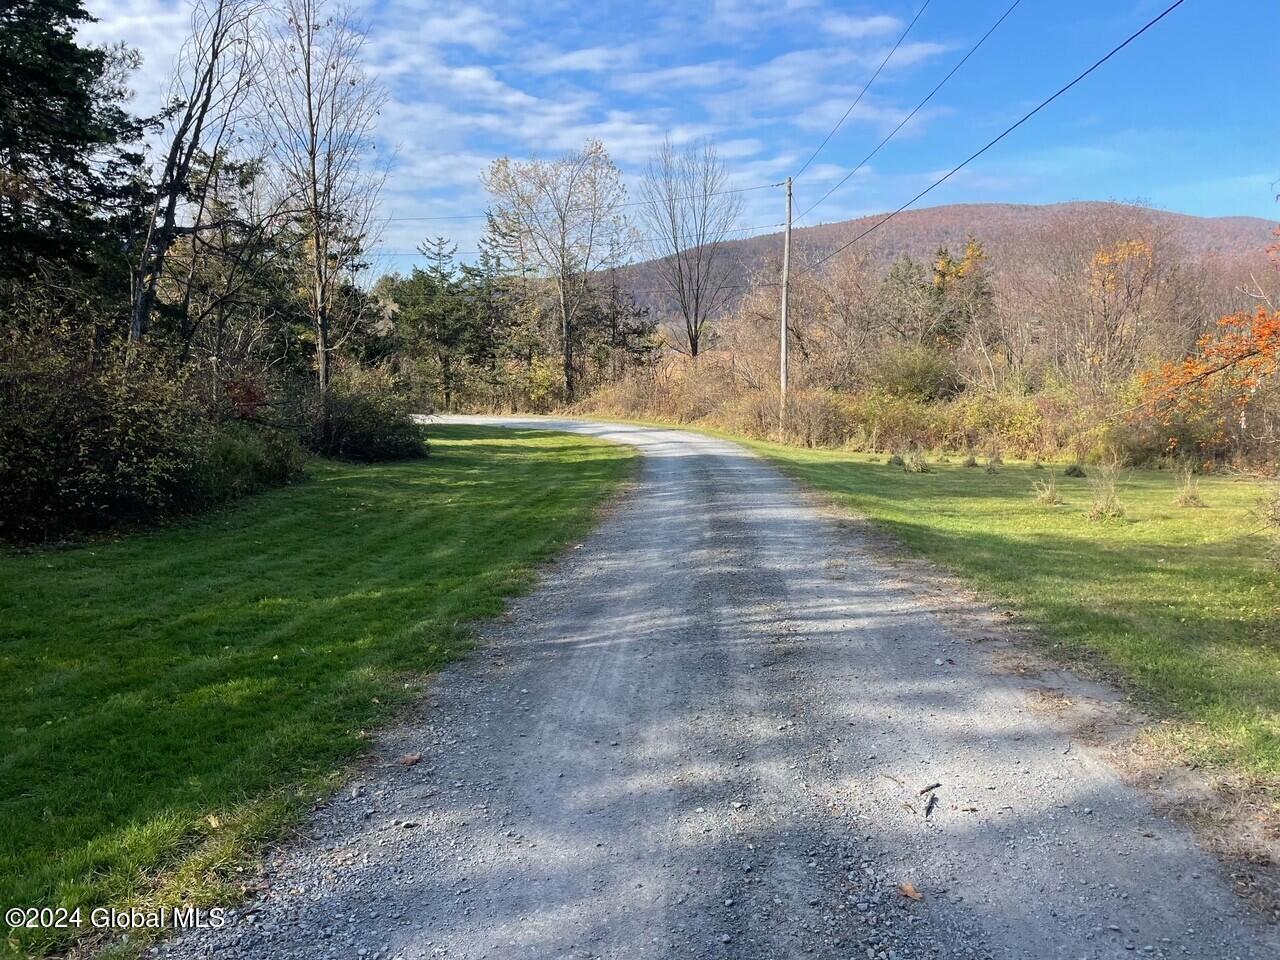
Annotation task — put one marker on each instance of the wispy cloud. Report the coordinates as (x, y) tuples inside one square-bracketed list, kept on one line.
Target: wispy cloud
[(471, 82), (155, 28), (584, 60), (856, 28)]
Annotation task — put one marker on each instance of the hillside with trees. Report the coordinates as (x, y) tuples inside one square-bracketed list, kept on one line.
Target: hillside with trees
[(1024, 329)]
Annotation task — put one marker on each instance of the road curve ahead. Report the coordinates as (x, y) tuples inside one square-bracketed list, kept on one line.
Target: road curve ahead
[(710, 733)]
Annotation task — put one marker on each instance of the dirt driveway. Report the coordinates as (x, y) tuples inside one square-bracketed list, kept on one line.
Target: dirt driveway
[(721, 728)]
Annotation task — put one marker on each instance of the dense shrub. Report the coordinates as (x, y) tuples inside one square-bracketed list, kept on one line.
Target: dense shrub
[(367, 416), (752, 413), (1006, 421), (916, 372), (86, 440), (892, 413), (886, 422), (820, 418), (879, 419), (241, 459), (93, 436), (1146, 441)]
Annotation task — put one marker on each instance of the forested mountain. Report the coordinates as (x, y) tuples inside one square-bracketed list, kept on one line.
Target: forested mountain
[(1013, 234)]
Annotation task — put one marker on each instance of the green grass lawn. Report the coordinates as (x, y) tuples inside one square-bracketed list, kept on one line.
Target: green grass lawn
[(172, 698), (1178, 603)]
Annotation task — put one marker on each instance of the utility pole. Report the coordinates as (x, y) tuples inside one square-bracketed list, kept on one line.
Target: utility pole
[(782, 336)]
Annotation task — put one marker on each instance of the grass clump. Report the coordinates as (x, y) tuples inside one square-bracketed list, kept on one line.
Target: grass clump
[(170, 696), (915, 462), (1105, 486), (897, 460), (1046, 492), (969, 460), (1188, 486), (1267, 511)]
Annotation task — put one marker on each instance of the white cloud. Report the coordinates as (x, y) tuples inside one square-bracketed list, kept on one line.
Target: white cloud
[(469, 82), (748, 14), (856, 28), (155, 28), (666, 79), (467, 26), (584, 60)]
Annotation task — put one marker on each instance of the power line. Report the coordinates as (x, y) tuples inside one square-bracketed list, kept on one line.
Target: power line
[(1008, 130), (649, 240), (918, 107), (460, 216), (417, 301), (629, 203), (865, 87)]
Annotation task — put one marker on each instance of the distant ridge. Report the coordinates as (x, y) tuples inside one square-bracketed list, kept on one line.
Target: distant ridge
[(1005, 230)]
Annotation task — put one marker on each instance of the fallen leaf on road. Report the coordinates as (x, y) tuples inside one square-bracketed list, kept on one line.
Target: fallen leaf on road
[(909, 891), (409, 759)]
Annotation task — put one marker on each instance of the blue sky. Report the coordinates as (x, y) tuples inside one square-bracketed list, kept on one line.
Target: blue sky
[(1184, 119)]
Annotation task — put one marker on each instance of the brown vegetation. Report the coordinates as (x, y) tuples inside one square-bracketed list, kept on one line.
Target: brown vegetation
[(1038, 357)]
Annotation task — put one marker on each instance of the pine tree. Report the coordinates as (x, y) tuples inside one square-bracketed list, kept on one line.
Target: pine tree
[(65, 162)]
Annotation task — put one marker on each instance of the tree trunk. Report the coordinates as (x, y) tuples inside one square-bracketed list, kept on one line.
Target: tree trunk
[(141, 311), (322, 353), (568, 346)]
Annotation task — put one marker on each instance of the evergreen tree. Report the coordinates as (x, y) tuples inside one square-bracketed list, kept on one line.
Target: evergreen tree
[(65, 158)]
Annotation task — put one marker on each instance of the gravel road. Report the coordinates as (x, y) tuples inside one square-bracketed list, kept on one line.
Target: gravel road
[(709, 733)]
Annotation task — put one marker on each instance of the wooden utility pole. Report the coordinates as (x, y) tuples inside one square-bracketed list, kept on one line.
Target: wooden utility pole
[(782, 335)]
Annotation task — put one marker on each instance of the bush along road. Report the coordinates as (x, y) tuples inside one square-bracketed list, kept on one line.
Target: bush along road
[(723, 727)]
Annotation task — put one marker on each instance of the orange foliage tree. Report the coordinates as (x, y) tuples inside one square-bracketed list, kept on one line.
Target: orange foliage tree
[(1230, 362)]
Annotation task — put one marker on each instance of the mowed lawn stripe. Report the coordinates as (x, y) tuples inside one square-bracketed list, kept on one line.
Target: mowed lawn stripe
[(188, 689)]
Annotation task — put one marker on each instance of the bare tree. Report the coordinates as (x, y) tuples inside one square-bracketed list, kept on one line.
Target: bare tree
[(212, 78), (317, 113), (690, 214), (1112, 294), (561, 219)]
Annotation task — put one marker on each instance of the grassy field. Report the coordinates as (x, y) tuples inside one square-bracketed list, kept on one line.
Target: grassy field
[(1178, 603), (172, 698)]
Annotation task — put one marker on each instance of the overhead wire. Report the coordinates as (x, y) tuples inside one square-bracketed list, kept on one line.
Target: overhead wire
[(1004, 133), (861, 93), (648, 240), (918, 107), (628, 203)]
